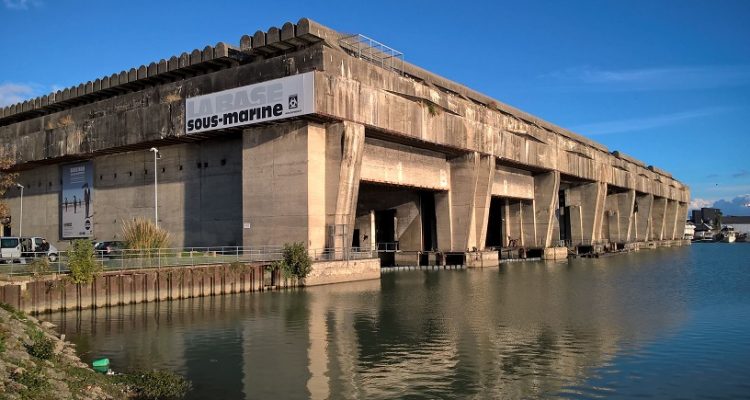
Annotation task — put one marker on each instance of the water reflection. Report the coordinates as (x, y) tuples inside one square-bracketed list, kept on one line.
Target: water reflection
[(521, 330)]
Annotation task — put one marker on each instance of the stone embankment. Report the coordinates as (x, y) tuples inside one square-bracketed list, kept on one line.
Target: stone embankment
[(37, 364)]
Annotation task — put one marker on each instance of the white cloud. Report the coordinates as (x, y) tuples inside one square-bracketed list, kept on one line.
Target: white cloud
[(640, 124), (651, 79), (698, 203), (11, 93), (21, 4)]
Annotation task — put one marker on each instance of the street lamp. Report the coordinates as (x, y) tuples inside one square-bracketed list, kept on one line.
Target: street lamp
[(157, 156), (20, 219)]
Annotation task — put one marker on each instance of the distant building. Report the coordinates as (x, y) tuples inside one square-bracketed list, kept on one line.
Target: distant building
[(741, 224), (706, 215)]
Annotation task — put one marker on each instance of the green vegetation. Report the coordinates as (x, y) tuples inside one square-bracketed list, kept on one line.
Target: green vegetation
[(432, 109), (41, 346), (19, 315), (143, 234), (82, 262), (39, 266), (295, 262), (54, 371), (156, 384), (35, 382)]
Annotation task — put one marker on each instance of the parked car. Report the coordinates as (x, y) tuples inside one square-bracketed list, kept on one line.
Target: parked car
[(109, 248), (38, 246)]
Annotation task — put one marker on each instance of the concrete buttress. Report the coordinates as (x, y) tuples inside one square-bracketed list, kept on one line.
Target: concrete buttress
[(470, 195), (353, 143), (643, 204), (586, 211), (658, 216), (546, 187)]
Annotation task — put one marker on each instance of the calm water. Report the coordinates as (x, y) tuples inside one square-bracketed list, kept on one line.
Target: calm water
[(667, 323)]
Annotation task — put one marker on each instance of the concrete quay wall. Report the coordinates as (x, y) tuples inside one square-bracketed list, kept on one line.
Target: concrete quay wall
[(139, 286)]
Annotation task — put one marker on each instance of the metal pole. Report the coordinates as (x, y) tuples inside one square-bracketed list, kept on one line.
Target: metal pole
[(20, 222), (156, 186)]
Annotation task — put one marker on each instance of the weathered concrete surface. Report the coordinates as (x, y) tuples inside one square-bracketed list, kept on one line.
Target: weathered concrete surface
[(324, 273), (441, 150), (147, 285)]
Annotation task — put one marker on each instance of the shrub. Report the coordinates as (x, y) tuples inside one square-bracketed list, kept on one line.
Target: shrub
[(41, 346), (40, 266), (295, 261), (82, 262), (142, 234), (156, 384)]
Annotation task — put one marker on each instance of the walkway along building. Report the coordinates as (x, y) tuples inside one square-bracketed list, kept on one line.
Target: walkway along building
[(302, 133)]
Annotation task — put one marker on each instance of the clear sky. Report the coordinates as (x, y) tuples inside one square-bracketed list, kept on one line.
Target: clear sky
[(667, 82)]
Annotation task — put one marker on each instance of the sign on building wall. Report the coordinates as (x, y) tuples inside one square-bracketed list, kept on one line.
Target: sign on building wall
[(76, 200), (286, 97)]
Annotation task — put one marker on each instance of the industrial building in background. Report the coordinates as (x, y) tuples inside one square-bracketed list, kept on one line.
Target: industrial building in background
[(304, 134)]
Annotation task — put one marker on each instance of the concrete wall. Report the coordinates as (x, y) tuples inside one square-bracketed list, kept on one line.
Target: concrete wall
[(147, 285), (324, 273), (199, 200)]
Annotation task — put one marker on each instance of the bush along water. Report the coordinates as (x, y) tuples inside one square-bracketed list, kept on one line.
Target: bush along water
[(295, 261), (82, 262)]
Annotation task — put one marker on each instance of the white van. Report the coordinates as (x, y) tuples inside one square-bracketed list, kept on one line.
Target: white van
[(38, 246), (10, 249)]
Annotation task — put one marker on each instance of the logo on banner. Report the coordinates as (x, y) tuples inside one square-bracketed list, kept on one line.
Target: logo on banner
[(293, 102)]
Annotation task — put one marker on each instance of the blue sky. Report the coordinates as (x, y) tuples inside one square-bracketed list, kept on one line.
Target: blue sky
[(667, 82)]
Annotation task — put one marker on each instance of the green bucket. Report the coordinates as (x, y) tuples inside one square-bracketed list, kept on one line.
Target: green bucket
[(101, 365)]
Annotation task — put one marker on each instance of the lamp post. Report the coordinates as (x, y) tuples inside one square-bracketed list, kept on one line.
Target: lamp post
[(157, 156), (20, 219)]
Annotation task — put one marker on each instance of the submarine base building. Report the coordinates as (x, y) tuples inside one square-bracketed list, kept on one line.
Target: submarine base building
[(304, 134)]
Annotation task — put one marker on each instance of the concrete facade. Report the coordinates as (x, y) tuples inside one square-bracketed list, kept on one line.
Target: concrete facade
[(388, 156)]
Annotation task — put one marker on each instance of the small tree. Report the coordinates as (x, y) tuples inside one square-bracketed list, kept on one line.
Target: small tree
[(295, 261), (143, 234), (83, 265)]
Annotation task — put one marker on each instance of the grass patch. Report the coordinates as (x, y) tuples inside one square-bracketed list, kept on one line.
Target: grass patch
[(36, 384), (156, 384), (19, 315)]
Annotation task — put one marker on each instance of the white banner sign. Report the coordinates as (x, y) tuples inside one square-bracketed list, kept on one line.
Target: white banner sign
[(286, 97)]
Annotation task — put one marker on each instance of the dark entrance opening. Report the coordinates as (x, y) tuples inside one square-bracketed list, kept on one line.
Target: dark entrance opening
[(429, 221), (564, 219), (495, 224), (355, 238), (385, 236)]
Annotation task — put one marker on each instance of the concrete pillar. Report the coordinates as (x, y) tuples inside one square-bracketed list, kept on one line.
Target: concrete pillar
[(283, 190), (471, 191), (642, 220), (619, 214), (670, 220), (586, 211), (681, 220), (443, 221), (658, 214), (352, 145), (546, 188)]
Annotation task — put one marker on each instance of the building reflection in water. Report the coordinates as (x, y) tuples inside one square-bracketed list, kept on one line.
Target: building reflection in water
[(522, 330)]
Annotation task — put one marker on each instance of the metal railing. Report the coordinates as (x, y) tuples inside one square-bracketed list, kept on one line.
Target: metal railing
[(132, 259)]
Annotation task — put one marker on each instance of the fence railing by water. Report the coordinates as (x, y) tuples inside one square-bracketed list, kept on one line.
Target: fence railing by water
[(129, 259)]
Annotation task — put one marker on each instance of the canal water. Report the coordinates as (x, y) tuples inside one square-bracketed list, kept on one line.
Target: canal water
[(664, 323)]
